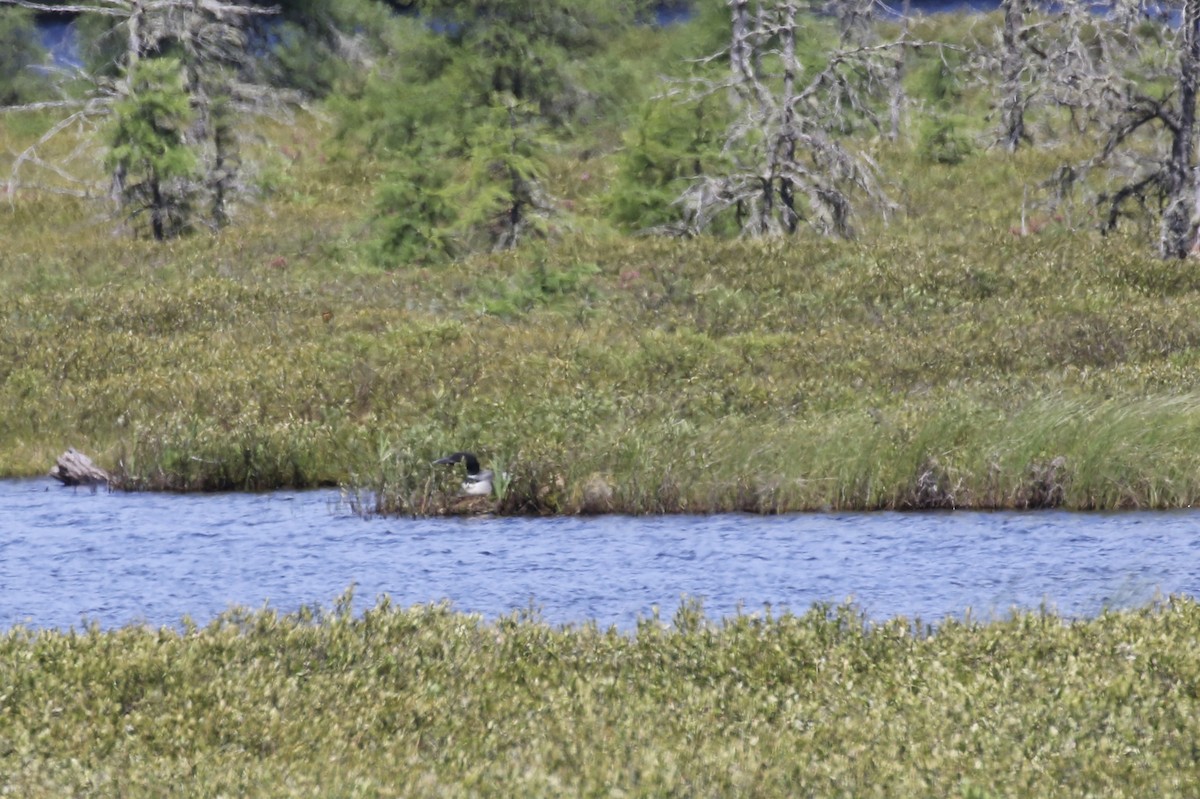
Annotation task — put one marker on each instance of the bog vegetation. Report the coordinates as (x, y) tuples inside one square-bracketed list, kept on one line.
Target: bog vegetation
[(777, 256), (769, 258), (426, 702)]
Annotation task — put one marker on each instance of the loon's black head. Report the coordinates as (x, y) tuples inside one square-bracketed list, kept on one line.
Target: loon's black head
[(461, 457), (479, 481)]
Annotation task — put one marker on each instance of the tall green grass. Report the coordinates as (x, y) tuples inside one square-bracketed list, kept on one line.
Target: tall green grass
[(941, 360), (663, 376)]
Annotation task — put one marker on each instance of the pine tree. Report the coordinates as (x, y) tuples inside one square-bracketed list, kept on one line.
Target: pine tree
[(465, 114), (501, 201), (148, 147)]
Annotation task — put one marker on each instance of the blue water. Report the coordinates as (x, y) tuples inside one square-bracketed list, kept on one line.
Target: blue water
[(61, 41), (948, 6), (70, 556)]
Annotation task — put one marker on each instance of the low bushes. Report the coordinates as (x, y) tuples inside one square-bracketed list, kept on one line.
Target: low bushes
[(427, 701)]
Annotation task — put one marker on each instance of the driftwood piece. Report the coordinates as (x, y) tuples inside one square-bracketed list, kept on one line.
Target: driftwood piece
[(73, 468)]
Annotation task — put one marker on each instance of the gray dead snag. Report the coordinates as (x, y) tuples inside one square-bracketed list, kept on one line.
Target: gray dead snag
[(786, 159), (1014, 99), (1149, 135), (73, 468), (1047, 56), (1178, 232)]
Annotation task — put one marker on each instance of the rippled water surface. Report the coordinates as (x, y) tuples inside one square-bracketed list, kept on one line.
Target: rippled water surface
[(69, 556)]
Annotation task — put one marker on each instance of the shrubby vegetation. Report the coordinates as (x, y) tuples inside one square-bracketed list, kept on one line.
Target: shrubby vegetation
[(468, 113), (426, 702), (451, 252), (454, 253)]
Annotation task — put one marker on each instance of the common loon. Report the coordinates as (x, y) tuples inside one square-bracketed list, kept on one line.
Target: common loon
[(479, 481)]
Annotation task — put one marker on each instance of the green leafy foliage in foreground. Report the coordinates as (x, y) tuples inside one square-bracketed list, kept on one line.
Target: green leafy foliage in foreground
[(429, 702)]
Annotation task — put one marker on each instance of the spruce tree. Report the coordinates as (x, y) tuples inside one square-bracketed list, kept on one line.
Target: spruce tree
[(148, 147)]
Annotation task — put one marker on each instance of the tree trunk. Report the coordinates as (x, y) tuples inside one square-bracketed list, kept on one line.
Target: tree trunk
[(158, 210), (1179, 218), (137, 18), (739, 47), (787, 189), (73, 468), (896, 96), (1013, 64)]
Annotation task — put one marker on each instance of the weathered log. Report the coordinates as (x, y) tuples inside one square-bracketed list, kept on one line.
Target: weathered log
[(73, 468)]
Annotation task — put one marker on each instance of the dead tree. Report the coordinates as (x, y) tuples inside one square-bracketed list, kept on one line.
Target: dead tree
[(1146, 136), (1126, 83), (73, 468), (1055, 58), (896, 93), (1178, 234), (1040, 58), (1013, 66), (786, 163)]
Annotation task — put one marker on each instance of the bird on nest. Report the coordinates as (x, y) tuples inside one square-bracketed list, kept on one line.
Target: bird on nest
[(478, 482)]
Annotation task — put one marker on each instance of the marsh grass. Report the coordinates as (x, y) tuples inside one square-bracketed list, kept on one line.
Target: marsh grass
[(949, 357), (663, 377), (427, 701)]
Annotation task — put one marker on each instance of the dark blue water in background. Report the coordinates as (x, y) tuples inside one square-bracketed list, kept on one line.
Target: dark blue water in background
[(59, 36), (948, 6), (70, 556)]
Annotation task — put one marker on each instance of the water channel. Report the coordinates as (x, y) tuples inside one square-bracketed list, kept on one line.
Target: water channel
[(69, 557)]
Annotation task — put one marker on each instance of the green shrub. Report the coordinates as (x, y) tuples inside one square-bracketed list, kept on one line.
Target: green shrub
[(425, 701), (672, 143), (942, 141), (22, 58)]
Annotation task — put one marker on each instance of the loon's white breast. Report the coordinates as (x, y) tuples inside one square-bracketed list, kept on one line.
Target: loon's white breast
[(478, 482), (478, 485)]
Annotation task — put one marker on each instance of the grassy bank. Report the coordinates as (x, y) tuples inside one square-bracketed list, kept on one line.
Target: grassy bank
[(940, 360), (427, 702)]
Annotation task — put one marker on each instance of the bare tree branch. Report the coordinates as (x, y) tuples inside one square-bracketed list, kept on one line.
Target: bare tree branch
[(30, 154), (1147, 143), (115, 9)]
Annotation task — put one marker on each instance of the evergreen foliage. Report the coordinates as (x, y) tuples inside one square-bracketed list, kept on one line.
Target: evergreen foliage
[(302, 60), (20, 56), (468, 112), (413, 216), (671, 143), (148, 148), (500, 199), (317, 46), (529, 48), (169, 84), (941, 140), (467, 119)]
